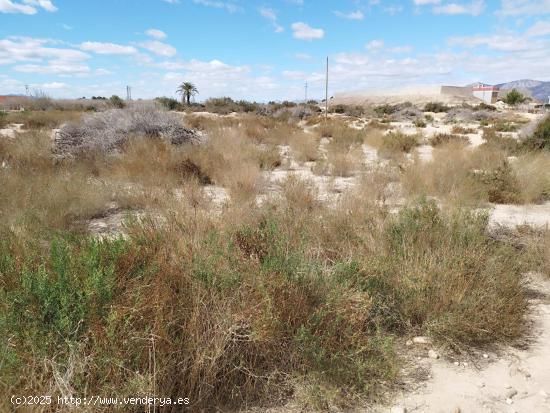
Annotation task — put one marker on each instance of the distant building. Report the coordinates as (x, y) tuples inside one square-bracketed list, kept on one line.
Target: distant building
[(487, 93)]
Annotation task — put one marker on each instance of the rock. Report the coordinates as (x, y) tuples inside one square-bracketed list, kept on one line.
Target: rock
[(465, 364), (432, 354), (398, 409), (509, 401), (421, 340), (456, 410), (510, 393), (408, 343), (485, 356), (456, 363)]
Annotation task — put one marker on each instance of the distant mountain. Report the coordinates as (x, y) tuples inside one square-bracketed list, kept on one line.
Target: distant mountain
[(539, 90)]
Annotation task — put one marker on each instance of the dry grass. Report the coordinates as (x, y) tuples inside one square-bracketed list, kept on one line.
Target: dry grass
[(305, 147), (252, 305), (452, 176), (47, 119), (533, 175)]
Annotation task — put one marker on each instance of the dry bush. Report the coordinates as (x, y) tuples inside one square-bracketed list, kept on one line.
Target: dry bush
[(445, 138), (533, 174), (397, 143), (38, 195), (499, 141), (106, 131), (344, 164), (502, 185), (233, 161), (461, 130), (452, 174), (305, 147)]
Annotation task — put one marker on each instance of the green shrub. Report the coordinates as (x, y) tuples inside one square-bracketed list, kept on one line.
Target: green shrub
[(502, 185), (117, 102), (169, 103), (436, 107), (514, 98), (540, 139)]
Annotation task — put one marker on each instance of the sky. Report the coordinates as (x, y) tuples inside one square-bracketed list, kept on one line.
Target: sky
[(267, 49)]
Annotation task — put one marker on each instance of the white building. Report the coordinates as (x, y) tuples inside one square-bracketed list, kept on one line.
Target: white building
[(488, 94)]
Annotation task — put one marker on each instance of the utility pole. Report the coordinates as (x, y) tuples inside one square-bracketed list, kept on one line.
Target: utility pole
[(128, 93), (27, 90), (305, 101), (326, 94)]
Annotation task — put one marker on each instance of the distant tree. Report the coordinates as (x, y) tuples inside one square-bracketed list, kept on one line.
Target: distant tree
[(168, 103), (514, 98), (117, 102), (187, 90)]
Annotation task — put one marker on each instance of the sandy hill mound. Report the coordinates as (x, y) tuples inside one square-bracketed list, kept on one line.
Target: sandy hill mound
[(415, 94)]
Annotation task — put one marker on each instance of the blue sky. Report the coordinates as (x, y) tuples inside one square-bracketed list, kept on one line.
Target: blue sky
[(267, 50)]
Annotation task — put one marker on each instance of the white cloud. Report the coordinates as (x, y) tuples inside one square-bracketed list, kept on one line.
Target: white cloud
[(354, 15), (541, 28), (374, 45), (45, 4), (156, 33), (21, 49), (500, 42), (524, 7), (107, 48), (230, 7), (159, 48), (302, 56), (393, 9), (475, 8), (400, 49), (271, 15), (7, 6), (26, 7), (53, 85), (172, 1), (426, 2), (303, 31), (54, 68), (293, 74)]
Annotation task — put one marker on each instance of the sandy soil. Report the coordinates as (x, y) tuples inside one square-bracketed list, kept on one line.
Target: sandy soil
[(513, 215), (11, 130)]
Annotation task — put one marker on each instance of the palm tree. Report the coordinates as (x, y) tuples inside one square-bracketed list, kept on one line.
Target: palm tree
[(187, 90)]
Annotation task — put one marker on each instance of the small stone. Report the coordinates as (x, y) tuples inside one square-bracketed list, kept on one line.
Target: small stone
[(456, 410), (485, 356), (481, 384), (398, 409), (456, 363), (409, 343), (432, 354), (510, 393), (421, 340), (509, 401), (465, 364), (507, 386)]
